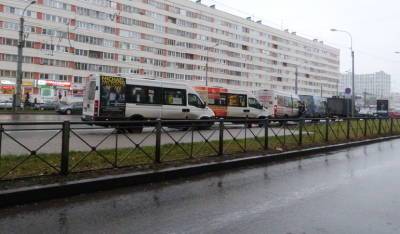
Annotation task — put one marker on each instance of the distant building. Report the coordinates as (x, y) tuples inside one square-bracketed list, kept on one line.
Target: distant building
[(375, 85)]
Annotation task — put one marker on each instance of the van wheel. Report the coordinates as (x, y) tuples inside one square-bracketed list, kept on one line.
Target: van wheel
[(283, 122), (137, 128), (261, 122), (205, 125), (68, 112)]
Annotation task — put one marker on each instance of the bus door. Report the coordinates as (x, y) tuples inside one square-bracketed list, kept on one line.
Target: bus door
[(175, 104), (89, 97), (237, 106)]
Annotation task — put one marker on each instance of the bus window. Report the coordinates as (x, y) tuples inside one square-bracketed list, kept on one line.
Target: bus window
[(143, 94), (237, 100), (194, 100), (174, 97), (217, 99)]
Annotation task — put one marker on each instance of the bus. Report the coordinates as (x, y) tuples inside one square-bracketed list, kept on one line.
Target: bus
[(282, 104), (232, 104), (120, 98)]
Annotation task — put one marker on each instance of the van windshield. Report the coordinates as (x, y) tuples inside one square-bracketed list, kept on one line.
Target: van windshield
[(194, 100)]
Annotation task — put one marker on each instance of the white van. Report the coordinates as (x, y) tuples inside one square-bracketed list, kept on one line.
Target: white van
[(232, 104), (119, 98), (284, 105)]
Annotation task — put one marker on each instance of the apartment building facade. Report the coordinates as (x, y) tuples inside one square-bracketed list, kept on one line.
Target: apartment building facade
[(376, 84), (66, 40)]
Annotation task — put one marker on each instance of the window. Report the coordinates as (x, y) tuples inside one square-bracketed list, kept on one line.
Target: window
[(143, 94), (176, 97), (255, 104), (237, 100), (218, 100), (194, 100), (78, 79)]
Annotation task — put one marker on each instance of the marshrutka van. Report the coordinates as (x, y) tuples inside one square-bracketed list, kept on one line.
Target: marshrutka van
[(120, 98), (232, 104), (282, 104)]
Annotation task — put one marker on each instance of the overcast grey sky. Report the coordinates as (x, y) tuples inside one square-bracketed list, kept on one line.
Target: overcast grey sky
[(374, 25)]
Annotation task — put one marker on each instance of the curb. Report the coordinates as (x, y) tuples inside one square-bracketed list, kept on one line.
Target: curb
[(32, 194)]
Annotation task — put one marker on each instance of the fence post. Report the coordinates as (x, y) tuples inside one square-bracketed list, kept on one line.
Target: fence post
[(1, 140), (157, 156), (221, 137), (301, 125), (348, 128), (365, 127), (266, 134), (380, 126), (66, 130), (327, 129), (391, 127)]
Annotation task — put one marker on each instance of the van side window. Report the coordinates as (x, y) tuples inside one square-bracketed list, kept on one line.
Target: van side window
[(254, 103), (194, 100), (174, 97), (237, 100), (217, 99), (143, 94)]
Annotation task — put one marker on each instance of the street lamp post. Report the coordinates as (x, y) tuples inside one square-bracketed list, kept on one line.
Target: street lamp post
[(21, 44), (207, 60), (296, 82), (353, 97)]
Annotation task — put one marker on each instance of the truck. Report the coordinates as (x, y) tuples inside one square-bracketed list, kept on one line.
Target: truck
[(339, 107)]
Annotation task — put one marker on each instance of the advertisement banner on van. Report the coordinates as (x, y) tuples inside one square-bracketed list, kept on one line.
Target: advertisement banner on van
[(112, 96)]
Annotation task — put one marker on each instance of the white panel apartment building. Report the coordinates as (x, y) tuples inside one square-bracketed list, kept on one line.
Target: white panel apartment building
[(376, 84), (164, 39)]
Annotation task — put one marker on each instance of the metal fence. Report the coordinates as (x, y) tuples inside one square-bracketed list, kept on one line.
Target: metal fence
[(62, 148)]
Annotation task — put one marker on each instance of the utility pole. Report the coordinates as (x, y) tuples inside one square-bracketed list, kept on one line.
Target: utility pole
[(353, 91), (353, 96), (296, 82), (322, 90), (21, 44)]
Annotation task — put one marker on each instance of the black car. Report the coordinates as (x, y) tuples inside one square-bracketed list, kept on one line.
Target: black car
[(47, 106), (69, 109)]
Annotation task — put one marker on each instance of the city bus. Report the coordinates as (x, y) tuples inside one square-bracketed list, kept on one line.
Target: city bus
[(232, 104), (120, 98)]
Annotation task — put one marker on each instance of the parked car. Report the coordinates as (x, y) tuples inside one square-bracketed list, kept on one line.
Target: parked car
[(367, 112), (47, 106), (6, 105), (69, 109)]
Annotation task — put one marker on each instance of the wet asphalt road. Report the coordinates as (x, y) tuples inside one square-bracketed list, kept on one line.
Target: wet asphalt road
[(350, 191)]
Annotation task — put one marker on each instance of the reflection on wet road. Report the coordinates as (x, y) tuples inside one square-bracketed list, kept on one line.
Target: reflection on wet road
[(351, 191)]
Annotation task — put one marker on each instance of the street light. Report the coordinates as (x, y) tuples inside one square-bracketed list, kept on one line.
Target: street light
[(21, 44), (353, 97), (207, 59)]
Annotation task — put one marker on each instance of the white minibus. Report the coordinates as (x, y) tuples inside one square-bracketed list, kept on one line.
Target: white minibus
[(120, 98)]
